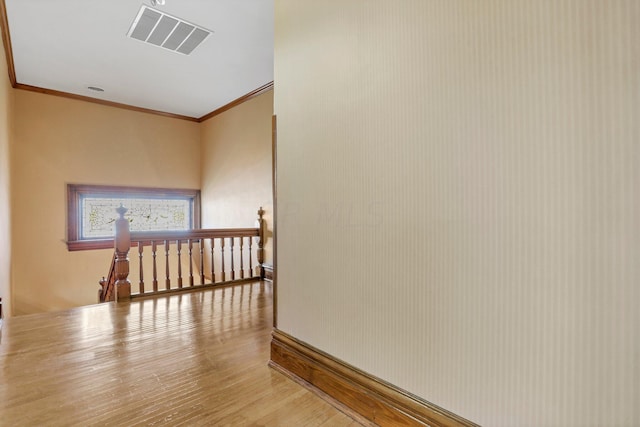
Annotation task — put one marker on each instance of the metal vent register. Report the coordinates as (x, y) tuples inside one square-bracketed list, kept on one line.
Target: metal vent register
[(169, 32)]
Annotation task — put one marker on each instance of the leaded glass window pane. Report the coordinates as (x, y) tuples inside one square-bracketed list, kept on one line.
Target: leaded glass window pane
[(144, 214)]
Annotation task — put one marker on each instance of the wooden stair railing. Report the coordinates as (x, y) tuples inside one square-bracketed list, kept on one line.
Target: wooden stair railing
[(106, 284), (207, 256)]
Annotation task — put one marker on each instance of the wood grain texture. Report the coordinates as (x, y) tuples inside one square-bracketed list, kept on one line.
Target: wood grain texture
[(190, 359), (377, 401)]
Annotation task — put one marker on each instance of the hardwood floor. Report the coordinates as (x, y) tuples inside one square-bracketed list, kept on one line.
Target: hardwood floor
[(191, 359)]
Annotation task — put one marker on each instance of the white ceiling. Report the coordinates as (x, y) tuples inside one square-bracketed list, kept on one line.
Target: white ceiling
[(68, 45)]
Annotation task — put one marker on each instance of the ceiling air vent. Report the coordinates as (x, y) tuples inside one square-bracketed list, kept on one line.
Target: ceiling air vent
[(169, 32)]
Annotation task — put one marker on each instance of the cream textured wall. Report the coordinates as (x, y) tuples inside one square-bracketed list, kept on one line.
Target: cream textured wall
[(6, 104), (59, 141), (236, 167), (458, 204)]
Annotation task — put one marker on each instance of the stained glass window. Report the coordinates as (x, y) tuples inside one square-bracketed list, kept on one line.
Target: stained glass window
[(91, 212), (99, 215)]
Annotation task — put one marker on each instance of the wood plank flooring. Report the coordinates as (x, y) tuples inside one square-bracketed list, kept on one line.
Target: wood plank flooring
[(196, 359)]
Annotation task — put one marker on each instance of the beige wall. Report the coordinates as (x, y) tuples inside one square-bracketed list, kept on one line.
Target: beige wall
[(236, 167), (59, 141), (464, 174), (6, 101)]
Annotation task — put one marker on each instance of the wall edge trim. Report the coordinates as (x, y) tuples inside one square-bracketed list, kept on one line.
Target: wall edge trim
[(244, 98), (324, 396), (8, 52), (101, 101), (371, 397), (6, 41)]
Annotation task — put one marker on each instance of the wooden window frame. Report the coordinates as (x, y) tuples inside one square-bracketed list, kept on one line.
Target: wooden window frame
[(75, 192)]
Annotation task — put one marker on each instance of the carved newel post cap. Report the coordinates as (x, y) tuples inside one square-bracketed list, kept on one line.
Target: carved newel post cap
[(122, 235), (121, 210)]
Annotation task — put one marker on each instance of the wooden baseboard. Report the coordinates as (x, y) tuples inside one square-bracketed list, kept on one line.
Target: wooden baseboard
[(268, 272), (372, 398)]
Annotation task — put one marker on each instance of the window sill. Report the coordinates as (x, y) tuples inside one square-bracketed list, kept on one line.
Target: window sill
[(86, 245)]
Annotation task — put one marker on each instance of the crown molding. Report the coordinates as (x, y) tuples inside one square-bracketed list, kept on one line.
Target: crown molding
[(101, 101), (262, 89), (6, 41), (8, 51)]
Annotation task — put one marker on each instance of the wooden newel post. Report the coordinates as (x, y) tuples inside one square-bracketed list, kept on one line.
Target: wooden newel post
[(260, 226), (122, 246)]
